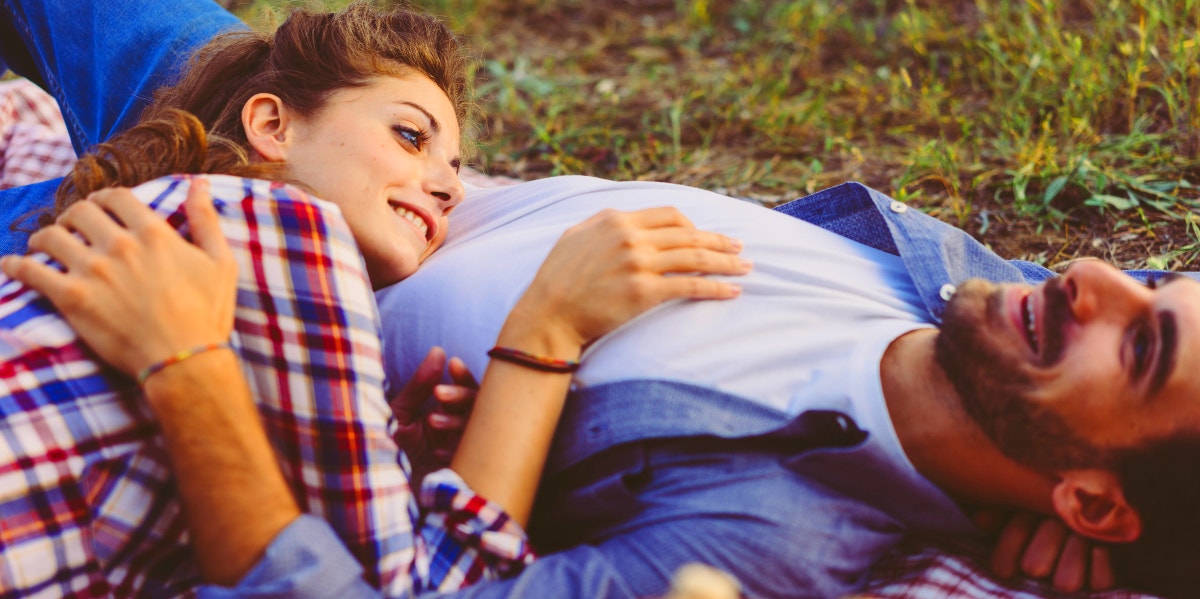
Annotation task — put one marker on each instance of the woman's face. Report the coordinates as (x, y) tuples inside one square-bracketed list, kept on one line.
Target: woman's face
[(388, 155)]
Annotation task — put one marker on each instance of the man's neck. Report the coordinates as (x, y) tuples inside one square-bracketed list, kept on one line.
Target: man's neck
[(942, 441)]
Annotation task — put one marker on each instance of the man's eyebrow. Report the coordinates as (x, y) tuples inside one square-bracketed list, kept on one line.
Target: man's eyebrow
[(1155, 281), (433, 122), (1168, 341)]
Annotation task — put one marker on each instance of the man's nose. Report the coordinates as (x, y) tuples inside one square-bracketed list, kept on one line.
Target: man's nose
[(1096, 289)]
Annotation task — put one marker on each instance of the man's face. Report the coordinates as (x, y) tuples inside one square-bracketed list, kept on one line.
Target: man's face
[(1090, 360)]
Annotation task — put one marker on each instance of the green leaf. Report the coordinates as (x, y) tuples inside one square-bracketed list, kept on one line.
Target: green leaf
[(1104, 200), (1056, 186)]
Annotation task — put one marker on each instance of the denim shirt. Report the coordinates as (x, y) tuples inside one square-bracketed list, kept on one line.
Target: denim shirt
[(938, 256)]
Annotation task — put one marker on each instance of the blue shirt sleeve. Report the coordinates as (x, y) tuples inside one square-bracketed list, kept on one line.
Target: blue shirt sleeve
[(305, 560)]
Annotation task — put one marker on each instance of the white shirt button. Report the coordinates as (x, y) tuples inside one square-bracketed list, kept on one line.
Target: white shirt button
[(898, 207), (947, 291)]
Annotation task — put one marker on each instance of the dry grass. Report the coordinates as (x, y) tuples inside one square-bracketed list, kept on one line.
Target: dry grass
[(1051, 130)]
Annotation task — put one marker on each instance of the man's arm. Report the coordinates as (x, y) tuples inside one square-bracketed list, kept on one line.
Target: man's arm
[(307, 333), (103, 60)]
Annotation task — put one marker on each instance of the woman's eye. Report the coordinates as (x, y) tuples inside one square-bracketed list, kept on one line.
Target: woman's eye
[(414, 137)]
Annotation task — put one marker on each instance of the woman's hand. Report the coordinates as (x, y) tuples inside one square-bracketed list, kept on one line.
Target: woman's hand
[(135, 290), (616, 265), (603, 272), (431, 441)]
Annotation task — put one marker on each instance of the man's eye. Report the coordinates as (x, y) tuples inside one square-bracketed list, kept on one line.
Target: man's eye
[(1158, 280), (1142, 342)]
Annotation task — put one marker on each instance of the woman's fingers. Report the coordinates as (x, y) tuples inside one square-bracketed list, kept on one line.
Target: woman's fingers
[(649, 218), (699, 261), (696, 288), (406, 405), (461, 375), (668, 238)]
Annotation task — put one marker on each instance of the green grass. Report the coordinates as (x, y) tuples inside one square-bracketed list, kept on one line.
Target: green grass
[(1050, 129)]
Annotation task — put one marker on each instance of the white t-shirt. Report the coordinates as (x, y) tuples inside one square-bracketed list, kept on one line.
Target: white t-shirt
[(808, 332)]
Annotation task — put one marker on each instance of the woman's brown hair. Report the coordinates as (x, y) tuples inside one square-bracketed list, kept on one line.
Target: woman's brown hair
[(195, 125)]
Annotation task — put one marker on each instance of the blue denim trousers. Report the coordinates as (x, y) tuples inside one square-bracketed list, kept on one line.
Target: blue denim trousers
[(102, 61)]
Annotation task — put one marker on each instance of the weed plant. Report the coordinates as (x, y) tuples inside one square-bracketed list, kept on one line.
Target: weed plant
[(1050, 129)]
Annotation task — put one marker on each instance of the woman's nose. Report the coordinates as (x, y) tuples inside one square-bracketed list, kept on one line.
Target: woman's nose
[(442, 182)]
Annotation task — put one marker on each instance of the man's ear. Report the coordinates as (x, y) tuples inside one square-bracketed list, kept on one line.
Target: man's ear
[(1092, 503), (268, 125)]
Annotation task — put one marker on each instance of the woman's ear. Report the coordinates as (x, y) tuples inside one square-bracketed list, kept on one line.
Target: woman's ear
[(268, 125), (1093, 504)]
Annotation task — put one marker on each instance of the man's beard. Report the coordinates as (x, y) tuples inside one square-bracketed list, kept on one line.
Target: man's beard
[(996, 387)]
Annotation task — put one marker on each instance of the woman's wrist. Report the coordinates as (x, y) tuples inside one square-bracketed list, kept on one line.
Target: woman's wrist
[(540, 334)]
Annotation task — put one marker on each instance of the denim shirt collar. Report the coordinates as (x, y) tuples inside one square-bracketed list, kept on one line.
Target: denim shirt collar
[(938, 256)]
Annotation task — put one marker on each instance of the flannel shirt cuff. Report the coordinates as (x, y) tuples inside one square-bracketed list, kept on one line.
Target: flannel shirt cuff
[(473, 521)]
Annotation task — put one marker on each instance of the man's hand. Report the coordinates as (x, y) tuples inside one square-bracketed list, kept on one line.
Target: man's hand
[(430, 442), (134, 289), (1042, 547)]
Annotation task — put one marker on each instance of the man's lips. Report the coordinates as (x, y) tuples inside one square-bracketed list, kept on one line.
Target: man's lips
[(1023, 313), (417, 217), (1042, 316)]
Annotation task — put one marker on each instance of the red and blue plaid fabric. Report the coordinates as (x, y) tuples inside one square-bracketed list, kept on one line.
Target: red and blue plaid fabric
[(917, 570), (33, 138), (87, 502)]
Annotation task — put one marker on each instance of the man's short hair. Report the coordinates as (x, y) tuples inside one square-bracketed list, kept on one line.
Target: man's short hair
[(1161, 480)]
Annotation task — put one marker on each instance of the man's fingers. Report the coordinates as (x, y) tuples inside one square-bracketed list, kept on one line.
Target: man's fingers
[(1101, 578), (204, 221), (62, 245), (121, 202), (1010, 543), (1071, 570), (46, 280), (1044, 548), (97, 227)]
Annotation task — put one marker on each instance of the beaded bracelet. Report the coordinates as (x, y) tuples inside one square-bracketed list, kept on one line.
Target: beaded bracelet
[(534, 361), (177, 358)]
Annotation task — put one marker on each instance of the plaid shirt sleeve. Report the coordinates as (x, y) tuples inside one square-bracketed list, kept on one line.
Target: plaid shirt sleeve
[(87, 503)]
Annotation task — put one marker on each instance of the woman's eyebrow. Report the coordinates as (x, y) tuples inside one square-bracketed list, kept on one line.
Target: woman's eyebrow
[(433, 122)]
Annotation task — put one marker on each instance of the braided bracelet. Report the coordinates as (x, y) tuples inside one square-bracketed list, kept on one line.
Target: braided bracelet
[(534, 361), (177, 358)]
